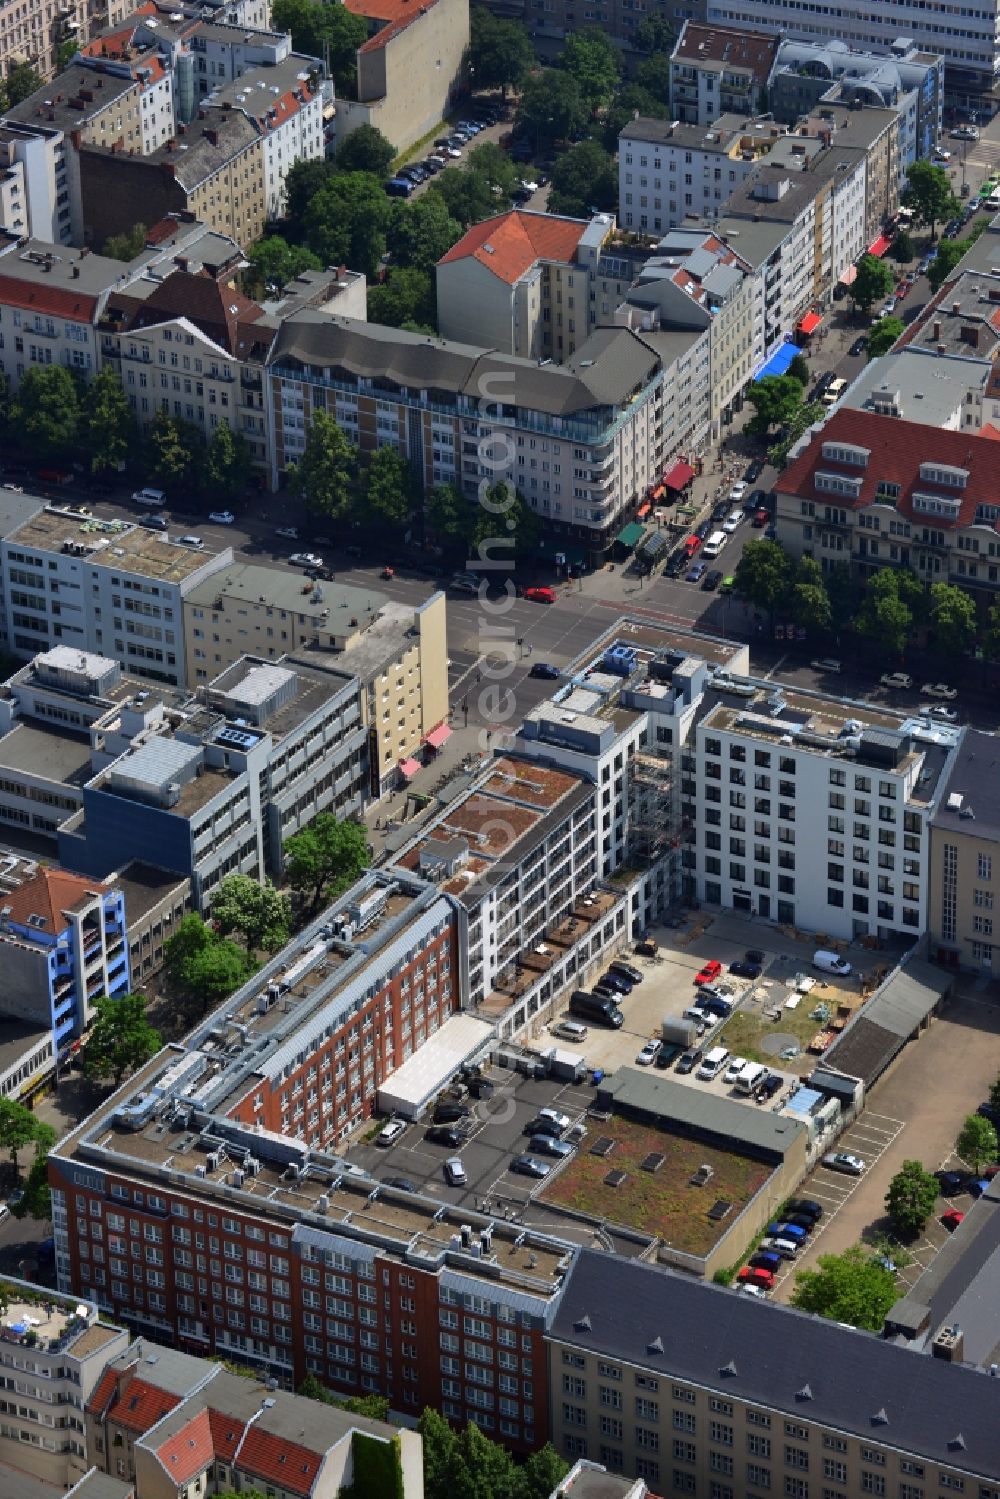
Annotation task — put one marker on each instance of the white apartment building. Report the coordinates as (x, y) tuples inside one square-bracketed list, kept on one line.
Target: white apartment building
[(290, 115), (108, 586), (815, 812), (967, 36), (669, 171), (34, 196), (47, 1379), (51, 299)]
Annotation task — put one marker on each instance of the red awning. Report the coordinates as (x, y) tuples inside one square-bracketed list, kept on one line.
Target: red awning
[(810, 322), (880, 246), (850, 276), (438, 736), (643, 510), (409, 767), (682, 473)]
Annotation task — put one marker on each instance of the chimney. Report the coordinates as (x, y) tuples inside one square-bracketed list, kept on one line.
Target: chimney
[(212, 136), (937, 327), (956, 308), (76, 273), (341, 273)]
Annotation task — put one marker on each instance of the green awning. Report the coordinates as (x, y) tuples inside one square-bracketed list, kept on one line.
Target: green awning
[(631, 535)]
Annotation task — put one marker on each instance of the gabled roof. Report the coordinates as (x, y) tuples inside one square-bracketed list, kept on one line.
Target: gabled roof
[(137, 1407), (219, 311), (898, 448), (392, 17), (510, 244), (275, 1460), (48, 895), (56, 301), (187, 1453), (754, 50)]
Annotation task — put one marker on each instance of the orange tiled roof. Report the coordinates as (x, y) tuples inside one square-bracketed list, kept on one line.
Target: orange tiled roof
[(49, 894), (990, 432), (189, 1451), (509, 244), (57, 300), (141, 1405), (275, 1460), (392, 16), (102, 1392), (212, 1436)]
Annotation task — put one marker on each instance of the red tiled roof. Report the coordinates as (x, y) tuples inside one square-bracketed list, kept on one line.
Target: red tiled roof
[(102, 1392), (220, 311), (991, 433), (897, 450), (509, 244), (393, 16), (111, 43), (278, 1461), (57, 300), (226, 1434), (212, 1436), (738, 49), (189, 1451), (141, 1405), (49, 894)]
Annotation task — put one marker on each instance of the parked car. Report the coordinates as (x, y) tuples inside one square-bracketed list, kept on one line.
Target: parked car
[(941, 154), (549, 1145), (950, 1182), (445, 1134), (529, 1165), (196, 543), (546, 671), (153, 522), (805, 1207), (711, 581), (553, 1116), (305, 559), (570, 1030), (827, 664), (733, 522), (756, 1275), (889, 308), (737, 492), (754, 471), (696, 573), (801, 1220), (784, 1230), (761, 518), (690, 1059), (720, 511), (649, 1053), (772, 1084), (630, 971), (708, 972), (392, 1132), (786, 1249), (741, 969), (951, 1219), (289, 533), (944, 713), (454, 1172), (897, 679), (939, 689), (843, 1160), (540, 595), (450, 1113), (616, 981), (401, 1183), (858, 346), (221, 517)]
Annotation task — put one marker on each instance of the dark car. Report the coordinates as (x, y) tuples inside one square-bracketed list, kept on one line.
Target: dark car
[(711, 581), (757, 500), (801, 1220), (754, 471), (766, 1259), (546, 671), (805, 1207), (721, 510), (754, 955), (771, 1085), (704, 530), (629, 970), (445, 1134), (951, 1182), (858, 346), (401, 1183), (529, 1165), (450, 1113), (741, 969), (614, 980), (690, 1060), (676, 565), (667, 1055), (543, 1126), (481, 1087)]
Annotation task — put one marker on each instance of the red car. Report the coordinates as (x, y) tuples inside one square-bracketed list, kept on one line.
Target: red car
[(951, 1219), (708, 972), (761, 518), (692, 544), (751, 1275), (902, 289), (541, 595)]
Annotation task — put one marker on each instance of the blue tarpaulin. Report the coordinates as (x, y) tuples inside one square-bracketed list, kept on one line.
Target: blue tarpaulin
[(779, 361)]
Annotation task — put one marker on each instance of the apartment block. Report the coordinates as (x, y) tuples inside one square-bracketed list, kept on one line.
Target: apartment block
[(410, 71), (172, 1422), (815, 813), (953, 394), (715, 70), (33, 33), (397, 653), (698, 1391), (144, 64), (964, 853), (285, 101), (587, 440), (51, 299), (106, 586), (53, 1350), (871, 490), (668, 171), (218, 787)]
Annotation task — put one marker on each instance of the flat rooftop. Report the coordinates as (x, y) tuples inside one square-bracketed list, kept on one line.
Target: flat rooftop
[(330, 603), (49, 753), (144, 886), (314, 689), (918, 386), (116, 544), (17, 1037)]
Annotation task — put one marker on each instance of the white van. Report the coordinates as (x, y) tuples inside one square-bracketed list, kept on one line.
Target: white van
[(713, 1064), (749, 1078), (150, 497), (830, 962), (833, 392), (714, 545)]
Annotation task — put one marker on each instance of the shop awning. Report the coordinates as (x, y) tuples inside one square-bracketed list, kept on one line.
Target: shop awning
[(779, 361), (810, 322), (409, 767), (681, 474), (658, 492), (880, 246), (644, 509), (438, 736), (850, 276), (630, 535)]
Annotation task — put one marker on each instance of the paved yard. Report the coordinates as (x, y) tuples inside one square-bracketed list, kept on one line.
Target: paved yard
[(915, 1113)]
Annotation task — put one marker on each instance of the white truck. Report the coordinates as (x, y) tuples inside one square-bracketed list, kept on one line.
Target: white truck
[(676, 1029)]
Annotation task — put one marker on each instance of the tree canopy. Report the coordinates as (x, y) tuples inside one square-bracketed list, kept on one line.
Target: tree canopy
[(46, 411), (107, 429), (274, 262), (326, 858), (873, 281), (175, 451), (366, 150), (885, 616), (121, 1039), (584, 177), (883, 335), (849, 1287), (952, 620), (911, 1198), (591, 58), (404, 300), (228, 464), (126, 246), (977, 1142), (315, 27), (763, 574), (775, 400), (929, 193), (204, 966), (19, 1128), (467, 1462), (552, 106), (259, 913), (391, 490), (422, 231), (500, 53), (326, 472), (949, 253), (347, 218)]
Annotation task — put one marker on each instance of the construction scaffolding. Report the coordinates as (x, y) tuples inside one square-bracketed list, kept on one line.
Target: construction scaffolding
[(653, 808)]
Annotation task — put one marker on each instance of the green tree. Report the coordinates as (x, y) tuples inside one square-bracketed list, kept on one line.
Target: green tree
[(203, 965), (848, 1287), (176, 451), (19, 1128), (653, 76), (347, 219), (325, 473), (763, 574), (928, 192), (655, 33), (903, 248), (952, 619), (883, 335), (884, 618), (319, 30), (542, 1473), (121, 1039), (493, 163), (775, 400), (22, 81), (447, 513), (326, 858), (799, 370), (313, 1388), (629, 101), (808, 603), (304, 180), (126, 246), (372, 1407), (490, 1466), (404, 300), (949, 253), (423, 231), (468, 195), (274, 262), (584, 177), (366, 150), (873, 282), (107, 430), (442, 1459), (391, 489), (65, 53), (46, 411), (991, 635), (552, 106), (259, 913), (228, 464), (592, 59), (911, 1198), (502, 515), (977, 1142), (36, 1198), (500, 52)]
